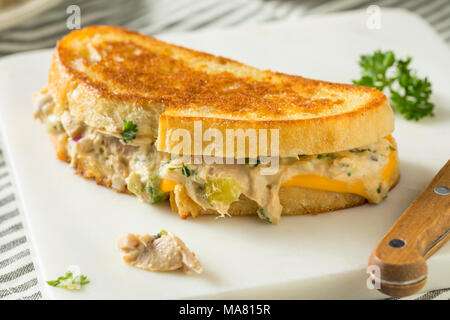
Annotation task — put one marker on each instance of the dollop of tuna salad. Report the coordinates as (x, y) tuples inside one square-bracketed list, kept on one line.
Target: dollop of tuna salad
[(161, 252)]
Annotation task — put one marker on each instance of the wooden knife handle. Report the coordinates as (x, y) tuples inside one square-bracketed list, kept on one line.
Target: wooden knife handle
[(416, 235)]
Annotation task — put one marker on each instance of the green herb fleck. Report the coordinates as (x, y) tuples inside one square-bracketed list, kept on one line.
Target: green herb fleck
[(379, 189), (263, 216), (129, 131), (349, 174), (258, 162), (252, 165), (53, 127), (392, 148), (358, 150), (410, 95), (185, 171), (162, 232), (152, 188), (69, 281), (331, 156)]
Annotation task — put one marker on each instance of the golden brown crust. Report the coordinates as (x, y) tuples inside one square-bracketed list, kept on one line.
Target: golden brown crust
[(60, 144), (104, 75)]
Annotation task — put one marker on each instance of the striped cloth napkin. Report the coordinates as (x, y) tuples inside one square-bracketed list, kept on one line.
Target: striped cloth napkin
[(17, 270)]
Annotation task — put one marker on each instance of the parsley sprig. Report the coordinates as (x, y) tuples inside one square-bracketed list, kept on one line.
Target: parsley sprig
[(410, 95), (69, 281), (129, 131), (162, 232)]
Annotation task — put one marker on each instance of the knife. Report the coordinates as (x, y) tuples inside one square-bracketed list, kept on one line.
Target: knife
[(398, 263)]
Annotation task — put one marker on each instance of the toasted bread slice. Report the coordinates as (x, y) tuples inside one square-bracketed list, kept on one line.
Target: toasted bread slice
[(104, 75)]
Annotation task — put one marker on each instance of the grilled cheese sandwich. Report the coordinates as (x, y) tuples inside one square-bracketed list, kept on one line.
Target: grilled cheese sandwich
[(335, 144)]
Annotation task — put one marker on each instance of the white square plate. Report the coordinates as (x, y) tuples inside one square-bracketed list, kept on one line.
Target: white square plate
[(75, 222)]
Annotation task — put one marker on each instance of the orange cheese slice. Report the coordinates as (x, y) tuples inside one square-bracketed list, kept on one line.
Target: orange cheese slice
[(317, 182), (167, 185)]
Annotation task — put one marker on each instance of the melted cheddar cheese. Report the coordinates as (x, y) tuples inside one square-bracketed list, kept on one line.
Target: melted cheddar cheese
[(313, 181)]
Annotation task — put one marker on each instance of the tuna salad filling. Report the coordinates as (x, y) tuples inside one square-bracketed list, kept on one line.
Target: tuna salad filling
[(366, 171), (362, 170), (162, 252), (125, 167)]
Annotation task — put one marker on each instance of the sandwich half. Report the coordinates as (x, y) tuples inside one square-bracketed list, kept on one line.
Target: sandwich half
[(114, 99)]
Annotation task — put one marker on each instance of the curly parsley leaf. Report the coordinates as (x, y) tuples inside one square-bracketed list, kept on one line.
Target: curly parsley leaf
[(374, 69), (69, 281), (129, 131), (410, 95)]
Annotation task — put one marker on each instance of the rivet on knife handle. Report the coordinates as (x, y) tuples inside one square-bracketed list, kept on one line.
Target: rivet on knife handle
[(422, 229)]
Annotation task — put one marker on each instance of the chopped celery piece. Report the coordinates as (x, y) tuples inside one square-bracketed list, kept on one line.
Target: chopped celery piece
[(152, 187), (134, 183), (224, 190)]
